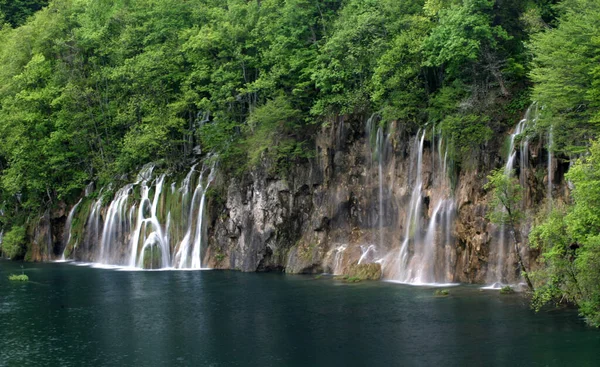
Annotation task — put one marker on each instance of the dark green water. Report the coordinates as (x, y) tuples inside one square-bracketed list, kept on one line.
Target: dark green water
[(77, 316)]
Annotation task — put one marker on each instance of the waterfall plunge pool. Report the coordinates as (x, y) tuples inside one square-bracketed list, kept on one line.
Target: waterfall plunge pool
[(70, 315)]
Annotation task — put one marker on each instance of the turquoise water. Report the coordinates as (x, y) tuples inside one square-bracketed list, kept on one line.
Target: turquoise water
[(71, 315)]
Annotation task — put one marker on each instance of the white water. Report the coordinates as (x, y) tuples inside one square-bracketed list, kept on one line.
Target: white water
[(368, 253), (338, 259), (69, 225), (425, 257), (413, 218), (499, 277), (192, 241), (136, 230)]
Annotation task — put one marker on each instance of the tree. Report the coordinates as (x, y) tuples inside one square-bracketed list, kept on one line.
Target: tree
[(567, 75), (507, 197), (16, 12)]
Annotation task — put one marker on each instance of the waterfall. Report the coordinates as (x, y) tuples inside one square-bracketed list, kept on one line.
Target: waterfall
[(412, 223), (338, 259), (379, 144), (192, 241), (499, 276), (93, 224), (365, 252), (425, 256), (143, 224), (69, 226), (550, 168)]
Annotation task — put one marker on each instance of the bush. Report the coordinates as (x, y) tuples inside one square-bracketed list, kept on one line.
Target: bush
[(507, 290), (13, 244)]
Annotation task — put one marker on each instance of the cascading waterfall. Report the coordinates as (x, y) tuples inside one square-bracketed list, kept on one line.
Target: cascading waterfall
[(379, 143), (94, 223), (192, 241), (142, 227), (148, 232), (498, 277), (413, 218), (425, 257), (550, 168), (69, 225)]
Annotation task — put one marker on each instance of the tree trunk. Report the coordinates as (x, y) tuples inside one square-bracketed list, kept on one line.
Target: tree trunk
[(517, 238)]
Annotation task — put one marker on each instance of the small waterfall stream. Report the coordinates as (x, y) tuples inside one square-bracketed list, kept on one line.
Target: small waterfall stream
[(69, 232), (550, 167)]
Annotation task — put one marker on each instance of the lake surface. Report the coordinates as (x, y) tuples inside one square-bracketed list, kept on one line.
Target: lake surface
[(70, 315)]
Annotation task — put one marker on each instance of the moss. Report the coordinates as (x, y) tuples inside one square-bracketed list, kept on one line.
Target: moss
[(306, 250), (507, 290), (441, 293), (152, 257), (18, 277), (353, 280), (215, 196), (219, 257), (347, 279), (370, 271)]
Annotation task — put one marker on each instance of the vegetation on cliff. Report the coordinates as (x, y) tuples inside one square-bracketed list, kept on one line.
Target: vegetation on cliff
[(90, 90)]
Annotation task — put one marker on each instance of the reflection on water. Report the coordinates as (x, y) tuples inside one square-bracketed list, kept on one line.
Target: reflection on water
[(72, 316)]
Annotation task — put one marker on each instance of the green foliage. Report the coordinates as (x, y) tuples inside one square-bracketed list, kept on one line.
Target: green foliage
[(567, 76), (570, 245), (269, 129), (506, 198), (353, 279), (463, 32), (507, 290), (18, 277), (13, 243), (15, 12), (91, 90)]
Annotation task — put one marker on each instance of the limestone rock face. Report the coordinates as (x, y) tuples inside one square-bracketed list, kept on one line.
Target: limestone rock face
[(344, 205), (387, 199)]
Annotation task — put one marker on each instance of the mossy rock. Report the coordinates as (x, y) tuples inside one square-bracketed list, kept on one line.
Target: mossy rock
[(18, 278), (152, 257), (347, 279), (441, 293), (359, 272), (507, 290)]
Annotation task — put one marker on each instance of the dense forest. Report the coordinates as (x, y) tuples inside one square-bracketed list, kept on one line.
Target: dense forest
[(90, 90)]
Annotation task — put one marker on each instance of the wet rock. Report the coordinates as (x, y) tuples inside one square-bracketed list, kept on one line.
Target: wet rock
[(371, 271)]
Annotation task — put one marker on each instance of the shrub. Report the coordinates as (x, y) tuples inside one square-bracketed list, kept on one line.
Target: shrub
[(13, 244)]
